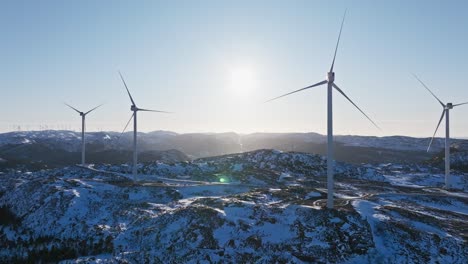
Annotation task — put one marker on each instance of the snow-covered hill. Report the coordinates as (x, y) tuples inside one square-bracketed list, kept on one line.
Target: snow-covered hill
[(59, 139), (263, 206)]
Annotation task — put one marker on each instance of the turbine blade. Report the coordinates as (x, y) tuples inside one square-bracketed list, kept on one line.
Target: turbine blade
[(131, 99), (125, 128), (302, 89), (157, 111), (443, 105), (342, 93), (338, 42), (459, 104), (93, 109), (79, 112), (442, 117)]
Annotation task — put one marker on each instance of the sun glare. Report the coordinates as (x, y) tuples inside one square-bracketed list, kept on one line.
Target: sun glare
[(242, 79)]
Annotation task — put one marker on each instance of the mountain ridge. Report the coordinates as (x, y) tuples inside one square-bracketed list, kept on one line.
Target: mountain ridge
[(16, 147)]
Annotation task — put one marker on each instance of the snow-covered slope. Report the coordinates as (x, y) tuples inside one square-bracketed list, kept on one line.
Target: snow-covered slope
[(263, 206)]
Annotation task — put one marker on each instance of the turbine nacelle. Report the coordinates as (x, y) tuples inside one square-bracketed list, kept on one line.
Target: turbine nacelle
[(449, 106), (330, 77), (83, 113), (134, 108)]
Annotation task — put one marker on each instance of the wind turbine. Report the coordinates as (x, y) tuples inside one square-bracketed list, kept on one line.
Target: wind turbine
[(83, 128), (135, 109), (330, 81), (445, 112)]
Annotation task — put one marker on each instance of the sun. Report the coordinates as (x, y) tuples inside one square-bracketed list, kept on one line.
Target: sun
[(242, 79)]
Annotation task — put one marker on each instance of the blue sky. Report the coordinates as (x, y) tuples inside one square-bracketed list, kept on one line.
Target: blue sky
[(213, 63)]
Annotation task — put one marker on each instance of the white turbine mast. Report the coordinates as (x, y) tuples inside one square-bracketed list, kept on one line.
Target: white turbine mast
[(83, 129), (330, 81), (135, 109), (445, 112)]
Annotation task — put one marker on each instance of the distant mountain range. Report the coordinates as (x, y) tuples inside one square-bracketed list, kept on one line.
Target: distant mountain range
[(53, 148)]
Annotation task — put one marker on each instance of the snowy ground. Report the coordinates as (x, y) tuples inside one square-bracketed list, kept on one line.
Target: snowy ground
[(264, 207)]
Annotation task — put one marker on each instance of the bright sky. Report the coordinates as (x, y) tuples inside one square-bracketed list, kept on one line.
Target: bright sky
[(213, 63)]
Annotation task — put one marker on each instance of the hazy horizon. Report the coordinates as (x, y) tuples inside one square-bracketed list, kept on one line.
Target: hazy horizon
[(226, 132)]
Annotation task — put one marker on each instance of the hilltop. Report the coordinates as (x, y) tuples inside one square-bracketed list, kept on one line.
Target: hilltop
[(263, 206)]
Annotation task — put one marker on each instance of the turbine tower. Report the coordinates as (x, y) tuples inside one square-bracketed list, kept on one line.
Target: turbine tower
[(135, 110), (83, 128), (330, 81), (445, 112)]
